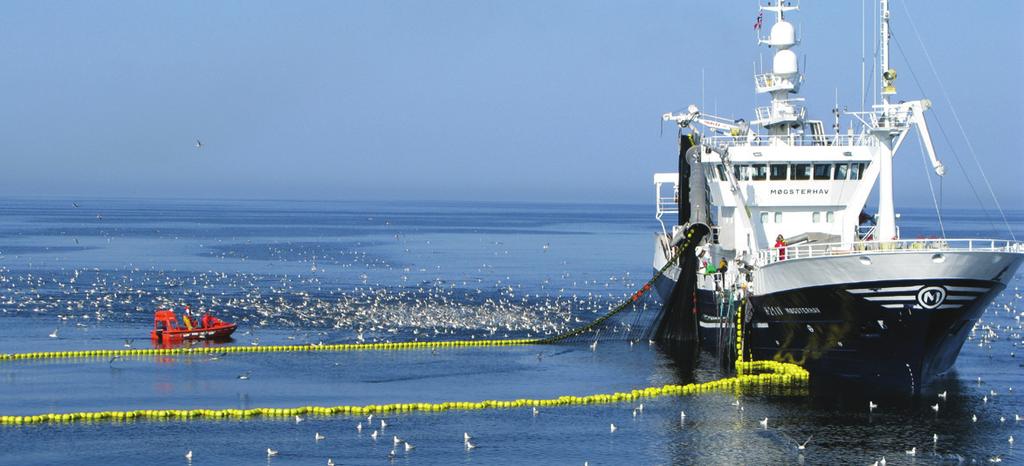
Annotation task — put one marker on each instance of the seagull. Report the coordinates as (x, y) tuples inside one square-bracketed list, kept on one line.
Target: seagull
[(244, 376), (392, 455), (199, 144), (128, 342), (383, 424), (298, 419), (763, 422), (593, 346), (942, 396), (935, 407), (369, 419), (374, 436), (912, 451), (54, 333), (882, 461), (871, 406), (330, 462), (535, 411), (1002, 419), (271, 453), (995, 459), (396, 440), (466, 437), (641, 408), (682, 416), (359, 427), (188, 456), (408, 446), (974, 418), (803, 446), (317, 437), (935, 438), (612, 428), (1010, 440), (469, 445)]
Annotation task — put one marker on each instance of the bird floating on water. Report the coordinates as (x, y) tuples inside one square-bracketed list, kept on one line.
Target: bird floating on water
[(942, 396), (466, 436), (298, 419), (54, 333), (244, 376), (374, 436), (317, 437), (974, 418), (408, 446), (871, 406), (912, 451), (188, 456), (935, 407), (763, 422), (359, 427), (330, 462), (612, 428), (383, 424), (469, 445), (535, 411), (271, 452), (396, 440)]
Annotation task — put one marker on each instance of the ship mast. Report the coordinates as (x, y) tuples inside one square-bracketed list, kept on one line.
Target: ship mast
[(886, 222)]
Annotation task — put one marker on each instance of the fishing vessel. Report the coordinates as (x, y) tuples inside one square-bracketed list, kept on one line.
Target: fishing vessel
[(780, 202)]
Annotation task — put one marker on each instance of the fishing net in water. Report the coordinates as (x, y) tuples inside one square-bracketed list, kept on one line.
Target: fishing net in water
[(639, 317)]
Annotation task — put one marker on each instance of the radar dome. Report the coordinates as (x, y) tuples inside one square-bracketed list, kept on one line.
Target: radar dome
[(784, 63), (783, 35)]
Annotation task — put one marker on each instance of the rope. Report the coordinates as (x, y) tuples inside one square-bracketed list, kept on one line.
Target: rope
[(931, 189), (773, 374), (956, 118)]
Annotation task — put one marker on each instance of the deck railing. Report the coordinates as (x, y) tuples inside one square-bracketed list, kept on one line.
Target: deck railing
[(812, 250), (793, 140)]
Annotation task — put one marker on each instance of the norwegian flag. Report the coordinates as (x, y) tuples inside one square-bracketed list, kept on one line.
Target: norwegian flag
[(760, 17)]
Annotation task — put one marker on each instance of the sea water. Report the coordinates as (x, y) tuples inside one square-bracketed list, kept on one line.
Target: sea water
[(91, 272)]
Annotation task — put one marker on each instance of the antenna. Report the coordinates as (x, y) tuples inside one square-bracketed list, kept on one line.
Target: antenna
[(862, 26)]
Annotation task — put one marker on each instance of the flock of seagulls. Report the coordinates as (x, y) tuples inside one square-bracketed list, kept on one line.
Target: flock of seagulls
[(428, 305)]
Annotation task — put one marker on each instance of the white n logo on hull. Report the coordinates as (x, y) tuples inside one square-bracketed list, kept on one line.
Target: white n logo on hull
[(931, 297)]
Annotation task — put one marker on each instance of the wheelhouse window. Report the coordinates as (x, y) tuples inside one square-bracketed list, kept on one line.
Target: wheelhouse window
[(778, 171), (759, 172), (822, 171), (857, 170), (778, 217), (830, 216), (801, 171), (764, 218), (842, 171), (721, 172), (742, 172), (816, 217)]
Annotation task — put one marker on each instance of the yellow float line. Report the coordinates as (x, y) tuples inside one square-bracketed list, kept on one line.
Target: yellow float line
[(409, 345), (778, 374)]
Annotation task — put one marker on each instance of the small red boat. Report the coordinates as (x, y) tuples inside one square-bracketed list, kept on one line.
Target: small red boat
[(165, 327)]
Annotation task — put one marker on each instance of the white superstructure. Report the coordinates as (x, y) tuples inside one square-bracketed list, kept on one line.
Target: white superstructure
[(783, 173)]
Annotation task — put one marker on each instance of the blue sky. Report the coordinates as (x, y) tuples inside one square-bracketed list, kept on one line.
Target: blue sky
[(459, 99)]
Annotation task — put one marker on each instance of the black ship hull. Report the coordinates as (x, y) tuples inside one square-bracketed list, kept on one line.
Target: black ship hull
[(896, 335)]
